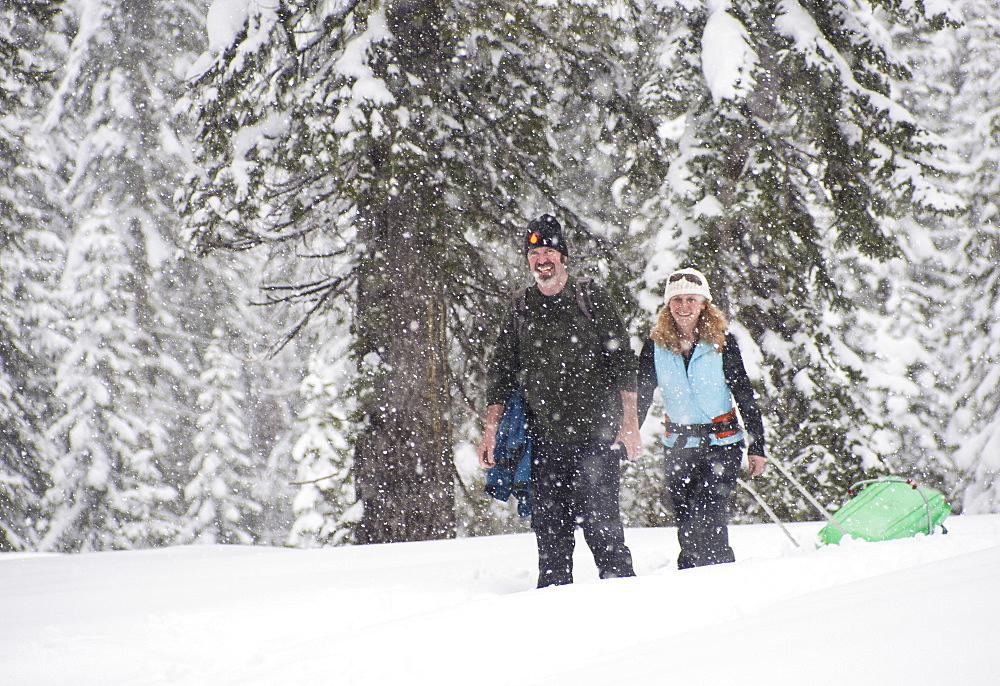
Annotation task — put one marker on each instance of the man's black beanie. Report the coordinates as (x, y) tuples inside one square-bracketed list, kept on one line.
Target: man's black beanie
[(545, 232)]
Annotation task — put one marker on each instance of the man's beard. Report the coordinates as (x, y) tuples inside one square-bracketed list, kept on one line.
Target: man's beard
[(544, 278)]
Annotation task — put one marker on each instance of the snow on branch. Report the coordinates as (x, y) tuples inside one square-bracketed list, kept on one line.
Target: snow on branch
[(727, 58), (796, 24)]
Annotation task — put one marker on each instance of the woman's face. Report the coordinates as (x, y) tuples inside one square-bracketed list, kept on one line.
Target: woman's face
[(686, 308)]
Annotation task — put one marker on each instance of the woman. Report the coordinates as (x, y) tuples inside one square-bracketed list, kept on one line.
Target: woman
[(697, 364)]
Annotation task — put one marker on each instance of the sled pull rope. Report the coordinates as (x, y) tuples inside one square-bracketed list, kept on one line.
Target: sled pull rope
[(768, 510), (808, 496)]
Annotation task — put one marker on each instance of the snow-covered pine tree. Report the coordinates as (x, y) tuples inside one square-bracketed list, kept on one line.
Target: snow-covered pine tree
[(194, 296), (220, 506), (326, 506), (121, 147), (963, 295), (106, 490), (909, 321), (30, 253), (109, 123), (400, 145), (789, 155)]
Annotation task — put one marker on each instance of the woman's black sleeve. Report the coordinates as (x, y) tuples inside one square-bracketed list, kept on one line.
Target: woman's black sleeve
[(646, 382), (743, 394)]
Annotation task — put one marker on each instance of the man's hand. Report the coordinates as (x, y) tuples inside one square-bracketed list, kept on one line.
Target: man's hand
[(489, 442), (755, 465), (486, 447), (628, 435), (631, 440)]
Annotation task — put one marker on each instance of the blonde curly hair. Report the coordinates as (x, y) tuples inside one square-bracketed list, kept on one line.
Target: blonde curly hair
[(711, 329)]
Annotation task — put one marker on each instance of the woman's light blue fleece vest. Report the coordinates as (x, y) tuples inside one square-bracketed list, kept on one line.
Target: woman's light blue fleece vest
[(695, 394)]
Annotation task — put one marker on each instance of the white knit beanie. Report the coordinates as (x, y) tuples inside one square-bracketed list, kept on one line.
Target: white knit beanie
[(687, 282)]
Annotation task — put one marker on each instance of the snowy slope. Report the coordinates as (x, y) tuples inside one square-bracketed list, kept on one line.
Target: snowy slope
[(917, 611)]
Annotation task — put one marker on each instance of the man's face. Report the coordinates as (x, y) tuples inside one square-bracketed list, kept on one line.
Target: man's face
[(545, 264)]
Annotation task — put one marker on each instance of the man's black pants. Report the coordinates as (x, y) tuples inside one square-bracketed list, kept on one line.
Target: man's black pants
[(700, 483), (576, 484)]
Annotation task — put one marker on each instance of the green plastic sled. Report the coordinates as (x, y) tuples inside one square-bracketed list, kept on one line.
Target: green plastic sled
[(886, 509)]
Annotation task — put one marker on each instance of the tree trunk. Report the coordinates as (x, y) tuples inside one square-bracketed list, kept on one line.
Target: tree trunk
[(404, 468), (403, 461)]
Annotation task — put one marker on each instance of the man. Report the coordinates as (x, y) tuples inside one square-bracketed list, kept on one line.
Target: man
[(569, 353)]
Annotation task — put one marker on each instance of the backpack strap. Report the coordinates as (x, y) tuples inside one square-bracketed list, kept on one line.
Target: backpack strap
[(520, 300), (584, 299)]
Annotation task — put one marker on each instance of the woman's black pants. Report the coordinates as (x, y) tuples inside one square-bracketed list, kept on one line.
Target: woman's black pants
[(699, 484)]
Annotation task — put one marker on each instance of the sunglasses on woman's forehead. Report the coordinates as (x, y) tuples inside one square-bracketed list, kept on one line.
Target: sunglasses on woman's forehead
[(693, 278)]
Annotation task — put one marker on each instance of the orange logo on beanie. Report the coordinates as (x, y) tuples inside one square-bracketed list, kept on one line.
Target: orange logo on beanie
[(534, 238)]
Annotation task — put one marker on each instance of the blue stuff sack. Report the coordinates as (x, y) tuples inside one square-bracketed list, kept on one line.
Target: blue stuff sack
[(511, 475)]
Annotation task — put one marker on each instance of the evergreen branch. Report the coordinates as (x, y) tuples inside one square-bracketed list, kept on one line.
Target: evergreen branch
[(312, 481), (332, 286), (326, 255), (307, 317)]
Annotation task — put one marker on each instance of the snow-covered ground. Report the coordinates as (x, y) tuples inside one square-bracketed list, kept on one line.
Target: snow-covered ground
[(917, 611)]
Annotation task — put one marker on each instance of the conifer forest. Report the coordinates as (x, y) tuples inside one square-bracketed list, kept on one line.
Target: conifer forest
[(253, 253)]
